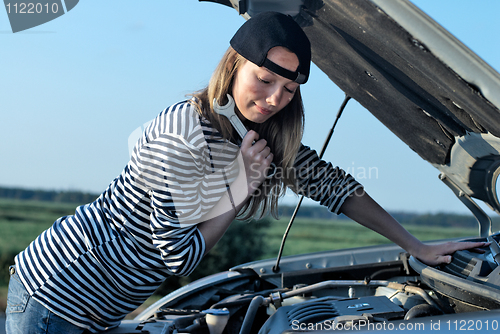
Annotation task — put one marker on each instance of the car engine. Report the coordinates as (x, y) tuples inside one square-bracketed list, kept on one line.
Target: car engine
[(380, 294)]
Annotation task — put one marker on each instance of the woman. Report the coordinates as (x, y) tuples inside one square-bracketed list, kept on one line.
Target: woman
[(188, 178)]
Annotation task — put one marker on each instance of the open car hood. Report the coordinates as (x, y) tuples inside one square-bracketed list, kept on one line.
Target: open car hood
[(422, 83)]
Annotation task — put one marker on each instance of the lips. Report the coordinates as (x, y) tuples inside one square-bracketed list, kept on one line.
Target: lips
[(263, 111)]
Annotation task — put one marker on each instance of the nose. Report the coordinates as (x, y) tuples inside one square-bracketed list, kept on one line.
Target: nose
[(275, 96)]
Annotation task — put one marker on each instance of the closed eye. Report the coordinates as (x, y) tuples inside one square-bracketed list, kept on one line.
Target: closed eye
[(288, 90)]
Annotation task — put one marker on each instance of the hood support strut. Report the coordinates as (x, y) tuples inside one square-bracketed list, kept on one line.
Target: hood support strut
[(276, 267), (483, 219)]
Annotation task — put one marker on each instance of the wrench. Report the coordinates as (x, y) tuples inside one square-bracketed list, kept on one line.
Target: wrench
[(227, 110)]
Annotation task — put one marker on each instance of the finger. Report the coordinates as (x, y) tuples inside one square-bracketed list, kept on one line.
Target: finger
[(470, 245), (437, 260), (249, 138), (266, 151), (259, 151), (260, 145), (269, 159), (264, 159), (444, 259)]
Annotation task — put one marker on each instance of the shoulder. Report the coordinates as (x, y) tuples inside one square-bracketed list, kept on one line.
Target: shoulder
[(180, 120)]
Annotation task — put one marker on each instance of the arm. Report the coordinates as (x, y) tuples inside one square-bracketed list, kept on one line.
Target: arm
[(172, 167), (214, 228), (364, 210), (254, 161), (342, 196)]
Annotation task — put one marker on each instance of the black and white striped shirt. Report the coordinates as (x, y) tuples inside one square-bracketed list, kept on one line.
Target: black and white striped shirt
[(98, 265)]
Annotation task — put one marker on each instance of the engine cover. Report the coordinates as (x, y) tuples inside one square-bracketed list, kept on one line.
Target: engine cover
[(324, 313)]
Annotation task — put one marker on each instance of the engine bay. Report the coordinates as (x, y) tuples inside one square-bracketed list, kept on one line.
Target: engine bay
[(252, 299)]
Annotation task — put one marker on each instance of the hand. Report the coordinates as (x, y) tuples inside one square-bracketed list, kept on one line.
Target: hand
[(433, 255), (257, 158)]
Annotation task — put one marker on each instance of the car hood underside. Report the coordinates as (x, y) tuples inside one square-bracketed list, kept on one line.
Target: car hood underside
[(416, 78)]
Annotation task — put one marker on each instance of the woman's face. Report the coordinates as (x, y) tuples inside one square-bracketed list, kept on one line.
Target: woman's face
[(260, 93)]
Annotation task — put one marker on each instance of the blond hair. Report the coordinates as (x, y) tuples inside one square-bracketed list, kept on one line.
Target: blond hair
[(283, 133)]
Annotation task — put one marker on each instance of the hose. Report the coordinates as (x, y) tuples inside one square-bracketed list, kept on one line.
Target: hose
[(422, 310), (250, 316)]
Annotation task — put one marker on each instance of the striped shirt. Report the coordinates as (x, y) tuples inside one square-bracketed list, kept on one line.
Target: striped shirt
[(98, 265)]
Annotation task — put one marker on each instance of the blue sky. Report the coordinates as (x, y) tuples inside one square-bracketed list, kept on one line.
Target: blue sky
[(72, 90)]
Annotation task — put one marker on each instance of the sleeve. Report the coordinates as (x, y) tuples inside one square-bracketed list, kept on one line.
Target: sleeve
[(320, 181), (181, 248), (174, 163)]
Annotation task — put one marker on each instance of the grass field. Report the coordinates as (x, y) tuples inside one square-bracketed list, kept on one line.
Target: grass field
[(22, 221), (319, 235)]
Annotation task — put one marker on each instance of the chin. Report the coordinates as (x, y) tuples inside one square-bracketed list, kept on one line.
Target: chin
[(260, 121), (257, 117)]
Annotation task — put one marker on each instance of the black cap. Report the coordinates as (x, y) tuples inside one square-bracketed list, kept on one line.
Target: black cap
[(267, 30)]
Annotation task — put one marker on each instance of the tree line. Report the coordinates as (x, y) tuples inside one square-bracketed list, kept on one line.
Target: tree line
[(72, 196), (405, 218)]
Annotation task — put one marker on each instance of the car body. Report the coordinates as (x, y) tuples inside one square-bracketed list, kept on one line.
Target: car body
[(439, 98)]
